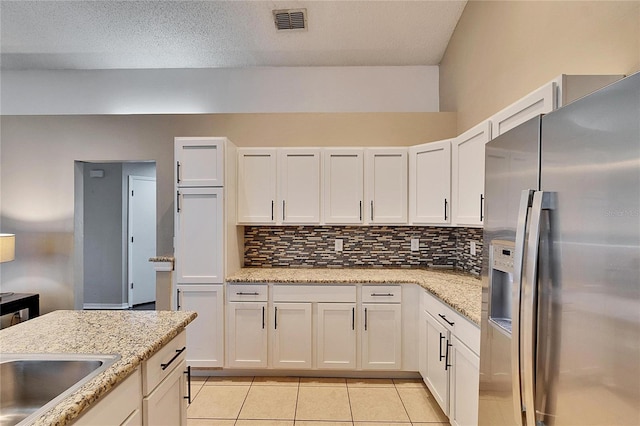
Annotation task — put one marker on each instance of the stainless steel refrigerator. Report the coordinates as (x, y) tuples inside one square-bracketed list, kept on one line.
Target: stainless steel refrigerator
[(560, 318)]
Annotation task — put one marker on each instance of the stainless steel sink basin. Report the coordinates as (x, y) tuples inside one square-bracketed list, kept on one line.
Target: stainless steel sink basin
[(31, 384)]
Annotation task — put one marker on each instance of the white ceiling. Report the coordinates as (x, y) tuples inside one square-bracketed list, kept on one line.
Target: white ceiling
[(205, 34)]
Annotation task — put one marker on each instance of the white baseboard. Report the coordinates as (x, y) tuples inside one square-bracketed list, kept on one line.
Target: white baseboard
[(112, 306)]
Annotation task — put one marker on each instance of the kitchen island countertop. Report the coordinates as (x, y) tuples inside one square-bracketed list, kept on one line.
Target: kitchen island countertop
[(461, 291), (134, 335)]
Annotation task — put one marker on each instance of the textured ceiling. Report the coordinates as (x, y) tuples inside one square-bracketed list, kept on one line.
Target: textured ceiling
[(203, 34)]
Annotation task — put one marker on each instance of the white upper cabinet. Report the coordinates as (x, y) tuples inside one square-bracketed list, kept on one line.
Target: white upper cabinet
[(257, 185), (343, 185), (468, 175), (540, 101), (199, 161), (299, 185), (430, 183), (386, 185)]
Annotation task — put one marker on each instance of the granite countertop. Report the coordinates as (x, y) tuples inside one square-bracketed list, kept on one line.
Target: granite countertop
[(134, 335), (461, 291), (167, 258)]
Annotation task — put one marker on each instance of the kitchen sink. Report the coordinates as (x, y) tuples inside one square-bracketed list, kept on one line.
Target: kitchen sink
[(31, 384)]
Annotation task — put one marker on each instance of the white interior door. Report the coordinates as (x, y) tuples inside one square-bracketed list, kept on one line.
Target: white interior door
[(142, 239)]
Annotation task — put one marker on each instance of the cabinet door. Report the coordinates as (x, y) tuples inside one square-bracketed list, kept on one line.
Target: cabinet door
[(437, 373), (166, 404), (430, 183), (540, 101), (199, 235), (343, 185), (205, 337), (464, 385), (299, 185), (386, 185), (292, 335), (468, 175), (336, 336), (256, 185), (382, 336), (199, 161), (246, 334)]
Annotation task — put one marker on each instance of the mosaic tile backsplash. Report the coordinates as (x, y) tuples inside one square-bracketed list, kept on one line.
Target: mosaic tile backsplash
[(363, 247)]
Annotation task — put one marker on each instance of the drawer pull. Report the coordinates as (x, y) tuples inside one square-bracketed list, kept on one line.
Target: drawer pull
[(240, 293), (446, 320), (382, 294), (178, 352)]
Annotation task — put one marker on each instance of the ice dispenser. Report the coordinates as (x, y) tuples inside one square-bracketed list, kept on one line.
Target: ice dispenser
[(501, 283)]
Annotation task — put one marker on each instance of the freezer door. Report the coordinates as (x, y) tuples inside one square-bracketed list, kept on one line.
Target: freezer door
[(588, 337), (511, 167)]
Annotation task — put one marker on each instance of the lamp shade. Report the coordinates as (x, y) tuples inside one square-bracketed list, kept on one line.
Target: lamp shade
[(7, 247)]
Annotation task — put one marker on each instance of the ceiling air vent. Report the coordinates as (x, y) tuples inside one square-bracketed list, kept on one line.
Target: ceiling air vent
[(290, 19)]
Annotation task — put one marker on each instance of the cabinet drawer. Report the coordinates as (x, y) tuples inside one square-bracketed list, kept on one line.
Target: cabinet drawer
[(314, 293), (247, 292), (462, 328), (381, 293), (152, 369)]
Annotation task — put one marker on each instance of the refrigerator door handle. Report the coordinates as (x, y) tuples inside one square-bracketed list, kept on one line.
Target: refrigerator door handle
[(526, 198), (541, 201)]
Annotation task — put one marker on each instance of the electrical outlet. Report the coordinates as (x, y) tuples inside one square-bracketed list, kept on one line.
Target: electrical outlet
[(338, 244), (415, 244), (473, 248)]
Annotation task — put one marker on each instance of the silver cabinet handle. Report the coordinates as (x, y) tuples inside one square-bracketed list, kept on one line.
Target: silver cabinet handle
[(382, 294), (240, 293)]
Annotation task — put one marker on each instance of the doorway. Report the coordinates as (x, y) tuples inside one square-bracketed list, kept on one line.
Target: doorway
[(106, 216)]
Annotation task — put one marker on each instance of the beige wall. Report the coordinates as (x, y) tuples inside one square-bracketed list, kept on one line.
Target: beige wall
[(502, 50), (37, 171)]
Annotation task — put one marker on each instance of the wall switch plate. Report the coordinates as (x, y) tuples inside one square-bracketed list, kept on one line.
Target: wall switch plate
[(338, 245), (473, 248), (415, 244)]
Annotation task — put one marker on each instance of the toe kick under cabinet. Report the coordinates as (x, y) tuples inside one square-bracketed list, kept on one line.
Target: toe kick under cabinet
[(307, 326)]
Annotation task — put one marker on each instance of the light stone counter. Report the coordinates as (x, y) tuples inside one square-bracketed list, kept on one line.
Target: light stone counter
[(461, 291), (134, 335)]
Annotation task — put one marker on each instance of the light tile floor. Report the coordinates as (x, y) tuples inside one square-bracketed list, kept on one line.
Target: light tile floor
[(304, 401)]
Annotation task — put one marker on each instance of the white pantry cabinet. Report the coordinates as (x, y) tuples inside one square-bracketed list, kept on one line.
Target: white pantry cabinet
[(468, 175), (199, 161), (336, 336), (199, 235), (257, 185), (343, 185), (299, 185), (205, 335), (430, 183), (386, 185), (292, 335)]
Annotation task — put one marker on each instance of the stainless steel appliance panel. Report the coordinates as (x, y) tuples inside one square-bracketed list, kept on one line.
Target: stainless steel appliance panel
[(588, 309), (512, 165)]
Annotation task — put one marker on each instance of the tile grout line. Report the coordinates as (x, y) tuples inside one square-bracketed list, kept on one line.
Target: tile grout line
[(349, 399), (402, 401), (295, 410), (244, 400)]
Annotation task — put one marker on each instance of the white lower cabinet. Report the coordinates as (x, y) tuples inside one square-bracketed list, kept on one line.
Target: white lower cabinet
[(336, 336), (382, 336), (449, 361), (292, 335), (205, 335), (166, 404), (247, 334), (436, 372), (463, 399)]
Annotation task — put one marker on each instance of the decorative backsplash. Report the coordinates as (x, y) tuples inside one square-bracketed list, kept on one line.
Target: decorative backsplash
[(363, 247)]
